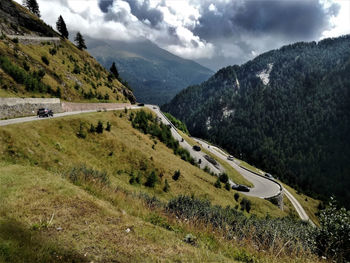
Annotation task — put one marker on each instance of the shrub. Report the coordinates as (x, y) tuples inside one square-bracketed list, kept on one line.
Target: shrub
[(236, 196), (109, 126), (81, 133), (76, 69), (92, 128), (53, 51), (264, 233), (82, 174), (190, 239), (15, 40), (333, 237), (223, 178), (166, 186), (217, 183), (245, 204), (99, 127), (26, 66), (227, 186), (176, 175), (45, 60), (151, 180)]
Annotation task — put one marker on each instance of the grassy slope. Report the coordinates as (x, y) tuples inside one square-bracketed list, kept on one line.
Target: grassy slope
[(59, 72), (34, 156)]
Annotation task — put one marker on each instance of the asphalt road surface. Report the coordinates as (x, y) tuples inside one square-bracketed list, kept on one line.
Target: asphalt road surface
[(56, 115), (263, 187)]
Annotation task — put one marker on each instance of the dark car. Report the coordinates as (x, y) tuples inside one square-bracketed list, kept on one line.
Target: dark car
[(43, 112), (141, 104), (196, 148), (241, 187)]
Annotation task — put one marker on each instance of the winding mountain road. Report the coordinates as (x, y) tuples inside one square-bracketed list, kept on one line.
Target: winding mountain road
[(263, 187)]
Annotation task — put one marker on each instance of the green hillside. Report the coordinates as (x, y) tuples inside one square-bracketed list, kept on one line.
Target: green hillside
[(155, 75), (287, 112), (34, 68), (62, 184)]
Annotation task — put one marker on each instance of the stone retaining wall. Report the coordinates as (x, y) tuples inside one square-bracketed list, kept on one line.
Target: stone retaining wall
[(72, 106), (17, 107)]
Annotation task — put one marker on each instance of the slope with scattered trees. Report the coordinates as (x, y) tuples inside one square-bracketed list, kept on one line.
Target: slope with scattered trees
[(50, 69)]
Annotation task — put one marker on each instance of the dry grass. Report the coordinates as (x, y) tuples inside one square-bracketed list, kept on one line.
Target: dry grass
[(34, 161)]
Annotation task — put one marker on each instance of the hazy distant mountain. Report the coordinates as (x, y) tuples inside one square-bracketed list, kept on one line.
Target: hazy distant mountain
[(154, 74), (287, 111)]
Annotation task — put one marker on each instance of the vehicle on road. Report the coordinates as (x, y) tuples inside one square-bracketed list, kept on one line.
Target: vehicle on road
[(154, 108), (241, 187), (141, 104), (44, 112), (230, 158), (196, 148), (268, 175)]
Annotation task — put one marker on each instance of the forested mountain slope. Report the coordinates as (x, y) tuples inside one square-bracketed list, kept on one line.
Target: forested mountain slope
[(287, 111), (154, 74), (35, 68)]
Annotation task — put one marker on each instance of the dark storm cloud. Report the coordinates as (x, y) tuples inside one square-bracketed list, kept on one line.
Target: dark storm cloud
[(298, 19), (293, 18), (104, 5), (142, 11)]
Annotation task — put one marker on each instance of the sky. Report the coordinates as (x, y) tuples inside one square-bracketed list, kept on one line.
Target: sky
[(215, 33)]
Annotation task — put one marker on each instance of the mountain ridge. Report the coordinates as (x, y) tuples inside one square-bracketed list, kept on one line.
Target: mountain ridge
[(293, 125), (155, 74)]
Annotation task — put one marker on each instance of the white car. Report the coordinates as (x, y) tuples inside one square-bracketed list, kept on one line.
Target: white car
[(230, 158)]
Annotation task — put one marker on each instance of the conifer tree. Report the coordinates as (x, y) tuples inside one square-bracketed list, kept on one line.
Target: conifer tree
[(33, 6), (80, 42), (114, 71), (61, 27)]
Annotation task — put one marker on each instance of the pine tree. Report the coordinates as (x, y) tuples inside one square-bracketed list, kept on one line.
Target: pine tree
[(61, 27), (114, 71), (33, 6), (79, 40)]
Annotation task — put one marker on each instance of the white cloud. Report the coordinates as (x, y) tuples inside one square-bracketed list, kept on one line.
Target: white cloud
[(181, 26)]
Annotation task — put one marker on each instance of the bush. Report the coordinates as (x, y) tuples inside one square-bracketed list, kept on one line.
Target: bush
[(82, 174), (81, 133), (223, 178), (264, 233), (217, 183), (151, 180), (32, 82), (245, 204), (333, 237), (176, 175), (166, 186), (236, 196), (99, 127), (45, 60), (227, 186), (53, 51), (109, 126), (92, 128), (76, 69)]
